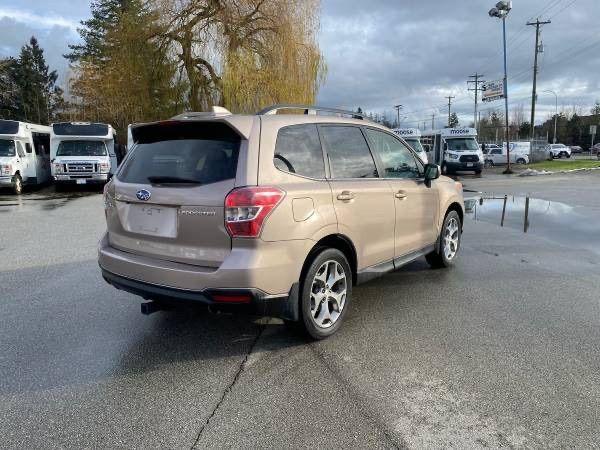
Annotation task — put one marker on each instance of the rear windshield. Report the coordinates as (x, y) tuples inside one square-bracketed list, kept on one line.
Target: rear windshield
[(81, 148), (7, 148), (176, 152)]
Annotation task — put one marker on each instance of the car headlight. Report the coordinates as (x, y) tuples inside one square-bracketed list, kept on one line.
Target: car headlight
[(104, 167), (6, 169), (452, 156), (58, 168)]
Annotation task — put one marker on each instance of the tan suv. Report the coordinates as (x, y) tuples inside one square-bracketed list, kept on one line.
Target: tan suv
[(280, 214)]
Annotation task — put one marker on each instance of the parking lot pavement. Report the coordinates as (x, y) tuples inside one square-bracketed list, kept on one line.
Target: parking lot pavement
[(501, 350)]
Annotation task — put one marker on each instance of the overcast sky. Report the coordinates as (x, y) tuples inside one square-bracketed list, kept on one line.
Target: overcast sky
[(411, 52)]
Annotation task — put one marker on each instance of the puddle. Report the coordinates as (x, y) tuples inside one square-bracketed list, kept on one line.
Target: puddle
[(49, 194), (562, 223)]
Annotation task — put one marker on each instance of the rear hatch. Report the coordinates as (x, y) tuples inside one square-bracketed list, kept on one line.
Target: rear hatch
[(169, 194)]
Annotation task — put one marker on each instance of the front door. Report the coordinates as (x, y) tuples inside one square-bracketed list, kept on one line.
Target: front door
[(363, 202), (28, 162), (415, 204)]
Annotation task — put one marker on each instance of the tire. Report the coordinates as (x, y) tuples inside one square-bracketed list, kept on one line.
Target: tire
[(440, 258), (18, 185), (488, 163), (520, 161), (568, 155), (317, 292), (478, 173)]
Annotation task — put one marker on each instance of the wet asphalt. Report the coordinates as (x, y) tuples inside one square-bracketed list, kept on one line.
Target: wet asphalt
[(501, 350)]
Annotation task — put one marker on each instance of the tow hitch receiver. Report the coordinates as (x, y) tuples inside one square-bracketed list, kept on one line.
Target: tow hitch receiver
[(152, 307)]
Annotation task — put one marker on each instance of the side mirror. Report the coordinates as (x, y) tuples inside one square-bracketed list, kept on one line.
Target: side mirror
[(432, 172)]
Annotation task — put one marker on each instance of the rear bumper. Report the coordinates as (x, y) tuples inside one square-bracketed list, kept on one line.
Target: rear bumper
[(267, 273), (258, 303)]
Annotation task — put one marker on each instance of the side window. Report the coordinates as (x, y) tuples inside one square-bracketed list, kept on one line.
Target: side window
[(496, 151), (398, 161), (20, 151), (298, 150), (349, 154), (27, 147)]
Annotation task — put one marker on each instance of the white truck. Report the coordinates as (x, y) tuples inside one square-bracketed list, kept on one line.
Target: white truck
[(454, 149), (24, 154), (495, 155), (412, 136), (83, 152)]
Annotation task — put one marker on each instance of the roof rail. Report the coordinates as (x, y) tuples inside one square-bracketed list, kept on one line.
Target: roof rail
[(217, 111), (309, 110)]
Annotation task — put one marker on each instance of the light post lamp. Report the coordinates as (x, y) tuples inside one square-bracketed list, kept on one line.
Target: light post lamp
[(398, 108), (555, 112), (501, 11)]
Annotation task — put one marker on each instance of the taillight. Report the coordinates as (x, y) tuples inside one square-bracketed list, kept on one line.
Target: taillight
[(247, 208)]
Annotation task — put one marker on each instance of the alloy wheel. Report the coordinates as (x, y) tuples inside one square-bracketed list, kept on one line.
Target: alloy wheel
[(328, 294), (451, 239)]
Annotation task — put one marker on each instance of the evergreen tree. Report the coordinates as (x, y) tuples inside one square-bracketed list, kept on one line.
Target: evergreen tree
[(454, 122), (93, 32), (29, 90), (9, 89)]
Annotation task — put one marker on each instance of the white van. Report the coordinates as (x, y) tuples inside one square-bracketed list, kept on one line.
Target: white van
[(454, 149), (24, 154), (412, 136), (83, 152)]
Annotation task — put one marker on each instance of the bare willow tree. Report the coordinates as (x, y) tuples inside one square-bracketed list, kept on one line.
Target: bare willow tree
[(244, 54)]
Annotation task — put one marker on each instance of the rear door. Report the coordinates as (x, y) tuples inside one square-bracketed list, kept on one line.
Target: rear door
[(363, 202), (169, 193), (415, 204)]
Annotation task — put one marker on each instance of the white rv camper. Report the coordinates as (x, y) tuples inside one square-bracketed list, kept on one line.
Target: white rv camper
[(24, 154), (83, 152)]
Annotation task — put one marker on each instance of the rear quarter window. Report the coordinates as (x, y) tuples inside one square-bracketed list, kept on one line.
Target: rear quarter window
[(298, 151), (197, 152)]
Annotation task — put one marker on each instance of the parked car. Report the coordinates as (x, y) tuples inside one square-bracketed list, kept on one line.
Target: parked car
[(576, 149), (595, 149), (281, 214), (557, 151)]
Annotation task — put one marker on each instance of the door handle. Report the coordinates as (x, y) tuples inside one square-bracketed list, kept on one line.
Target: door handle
[(401, 195), (345, 196)]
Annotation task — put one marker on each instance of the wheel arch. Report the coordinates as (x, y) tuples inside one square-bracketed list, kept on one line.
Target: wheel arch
[(339, 242), (455, 206)]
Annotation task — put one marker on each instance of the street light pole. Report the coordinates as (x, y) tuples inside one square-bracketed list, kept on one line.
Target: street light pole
[(398, 108), (501, 11), (555, 112)]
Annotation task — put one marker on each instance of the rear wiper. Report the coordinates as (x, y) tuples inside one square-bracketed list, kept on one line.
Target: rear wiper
[(171, 180)]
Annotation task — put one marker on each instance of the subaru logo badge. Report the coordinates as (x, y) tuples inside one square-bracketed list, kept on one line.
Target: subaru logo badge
[(143, 195)]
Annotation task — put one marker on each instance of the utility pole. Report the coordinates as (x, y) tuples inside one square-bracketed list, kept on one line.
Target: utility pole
[(433, 121), (476, 81), (450, 97), (537, 24), (398, 108)]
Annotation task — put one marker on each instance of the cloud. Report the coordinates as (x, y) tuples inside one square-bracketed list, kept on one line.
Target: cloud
[(384, 52), (38, 21)]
